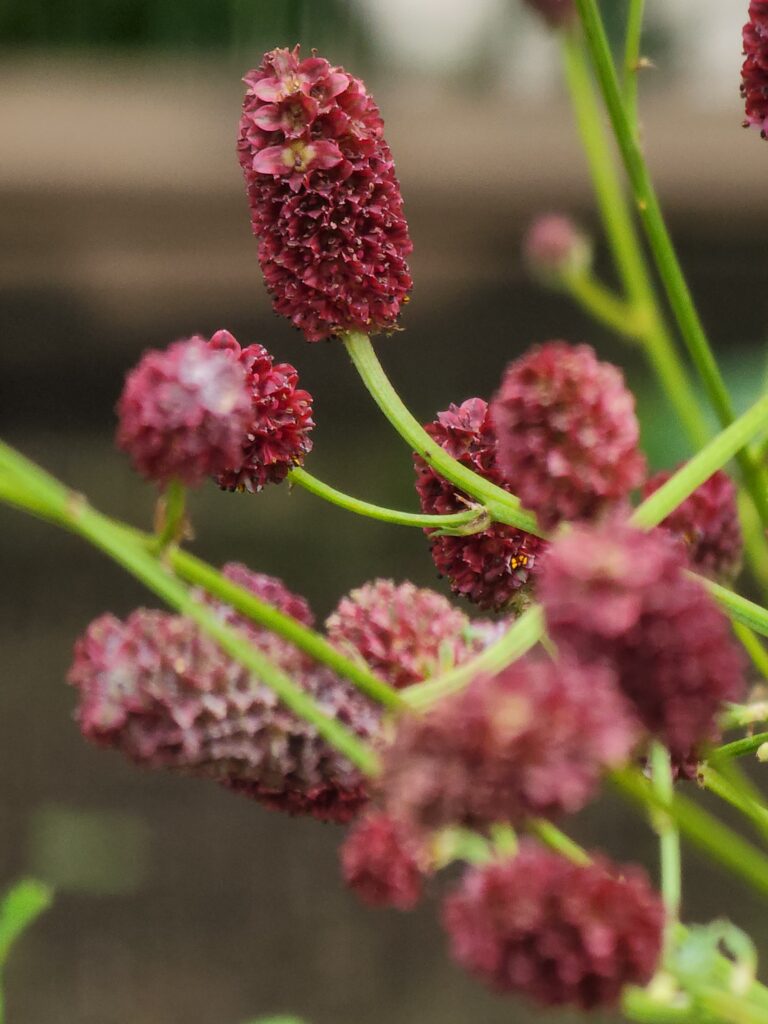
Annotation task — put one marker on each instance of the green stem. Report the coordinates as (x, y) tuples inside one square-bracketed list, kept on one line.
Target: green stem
[(473, 520), (712, 457), (173, 507), (669, 837), (740, 748), (520, 638), (744, 802), (641, 1006), (198, 572), (501, 505), (757, 653), (632, 47), (624, 242), (676, 287), (738, 608), (604, 305), (729, 1007), (556, 840), (713, 837)]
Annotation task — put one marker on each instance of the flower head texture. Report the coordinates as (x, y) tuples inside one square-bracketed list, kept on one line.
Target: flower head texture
[(493, 569), (405, 633), (325, 202), (183, 413), (559, 933), (555, 247), (383, 863), (554, 12), (530, 741), (614, 595), (266, 588), (708, 524), (567, 433), (754, 72), (277, 437), (158, 690)]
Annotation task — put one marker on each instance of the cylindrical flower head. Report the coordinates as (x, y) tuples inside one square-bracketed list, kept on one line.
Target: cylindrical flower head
[(555, 248), (183, 413), (531, 741), (708, 524), (561, 934), (493, 569), (554, 12), (383, 863), (754, 72), (161, 692), (277, 437), (613, 595), (325, 201), (567, 433), (405, 633)]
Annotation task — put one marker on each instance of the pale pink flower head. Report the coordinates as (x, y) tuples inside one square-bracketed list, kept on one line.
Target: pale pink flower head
[(554, 248), (183, 413), (325, 202)]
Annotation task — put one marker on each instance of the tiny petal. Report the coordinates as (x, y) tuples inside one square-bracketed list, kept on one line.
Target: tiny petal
[(560, 934)]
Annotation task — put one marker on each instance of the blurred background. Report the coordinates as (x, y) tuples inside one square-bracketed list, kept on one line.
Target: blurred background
[(123, 225)]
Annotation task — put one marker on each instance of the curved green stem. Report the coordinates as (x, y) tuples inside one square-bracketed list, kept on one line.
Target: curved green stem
[(473, 520), (669, 837), (712, 457), (739, 793), (740, 748), (624, 242), (520, 638), (671, 274), (551, 836), (501, 505), (604, 305), (736, 607), (757, 653), (172, 509)]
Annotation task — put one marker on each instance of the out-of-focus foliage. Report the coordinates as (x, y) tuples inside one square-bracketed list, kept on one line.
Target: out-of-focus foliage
[(20, 907)]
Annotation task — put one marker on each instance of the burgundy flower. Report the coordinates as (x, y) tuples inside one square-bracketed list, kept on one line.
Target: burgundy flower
[(267, 588), (165, 695), (531, 741), (754, 72), (708, 524), (277, 437), (555, 247), (567, 433), (555, 12), (613, 595), (492, 569), (383, 863), (325, 202), (183, 413), (405, 633), (556, 932)]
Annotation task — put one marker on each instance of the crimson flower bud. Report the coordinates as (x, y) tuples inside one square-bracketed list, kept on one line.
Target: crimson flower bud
[(559, 933), (325, 202), (383, 863)]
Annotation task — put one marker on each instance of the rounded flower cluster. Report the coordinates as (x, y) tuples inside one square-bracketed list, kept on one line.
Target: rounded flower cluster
[(383, 864), (754, 72), (531, 741), (492, 569), (554, 247), (556, 932), (613, 595), (567, 433), (269, 589), (708, 524), (183, 413), (161, 692), (404, 633), (277, 437), (325, 202), (555, 12)]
